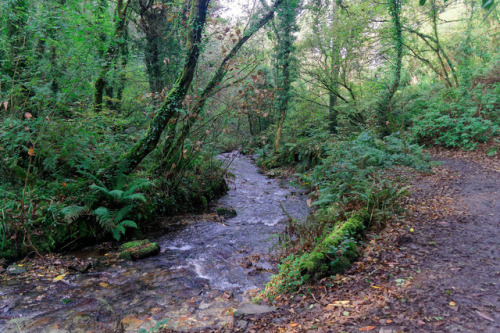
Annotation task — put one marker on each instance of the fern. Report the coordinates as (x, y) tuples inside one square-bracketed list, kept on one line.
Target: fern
[(135, 197), (124, 212), (116, 205), (73, 213), (104, 215), (116, 194)]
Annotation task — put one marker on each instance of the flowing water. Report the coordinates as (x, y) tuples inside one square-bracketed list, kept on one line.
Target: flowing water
[(205, 269)]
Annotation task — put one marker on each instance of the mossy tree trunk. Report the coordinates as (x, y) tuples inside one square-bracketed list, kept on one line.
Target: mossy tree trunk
[(284, 62), (173, 101), (384, 103), (111, 53), (213, 85)]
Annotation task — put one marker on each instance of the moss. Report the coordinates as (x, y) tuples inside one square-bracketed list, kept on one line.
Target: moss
[(139, 249), (331, 256), (336, 252), (226, 212)]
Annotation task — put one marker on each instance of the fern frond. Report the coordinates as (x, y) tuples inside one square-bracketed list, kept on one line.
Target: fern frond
[(72, 213), (104, 215), (117, 232), (129, 223), (138, 184), (91, 176), (123, 212), (135, 197), (116, 194)]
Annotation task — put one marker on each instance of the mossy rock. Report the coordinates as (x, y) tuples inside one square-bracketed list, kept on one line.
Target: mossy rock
[(139, 249), (226, 212), (336, 252)]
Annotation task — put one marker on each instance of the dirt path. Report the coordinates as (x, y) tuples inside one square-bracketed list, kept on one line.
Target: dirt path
[(435, 270)]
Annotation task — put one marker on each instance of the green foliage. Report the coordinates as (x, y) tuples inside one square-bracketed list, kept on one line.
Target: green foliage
[(121, 204), (353, 191), (352, 174), (459, 118)]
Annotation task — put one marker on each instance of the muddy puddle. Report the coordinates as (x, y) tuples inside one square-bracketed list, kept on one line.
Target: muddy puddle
[(205, 269)]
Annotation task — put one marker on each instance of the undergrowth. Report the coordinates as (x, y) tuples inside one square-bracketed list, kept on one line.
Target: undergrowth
[(353, 188)]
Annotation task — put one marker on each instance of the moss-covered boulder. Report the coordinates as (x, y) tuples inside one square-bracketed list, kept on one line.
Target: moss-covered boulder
[(139, 249), (333, 255), (336, 252), (226, 212)]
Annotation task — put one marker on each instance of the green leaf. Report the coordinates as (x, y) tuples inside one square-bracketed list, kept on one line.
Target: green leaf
[(116, 194), (72, 213), (422, 2), (492, 151), (129, 223)]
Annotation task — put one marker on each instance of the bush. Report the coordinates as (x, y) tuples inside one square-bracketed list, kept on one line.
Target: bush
[(459, 117)]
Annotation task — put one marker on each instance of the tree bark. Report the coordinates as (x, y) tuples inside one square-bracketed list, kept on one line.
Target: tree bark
[(173, 102), (284, 65), (215, 81), (386, 98), (111, 54)]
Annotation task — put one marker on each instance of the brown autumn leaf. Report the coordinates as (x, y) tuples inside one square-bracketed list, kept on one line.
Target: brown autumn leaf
[(31, 151), (367, 328), (28, 115), (484, 316), (294, 324)]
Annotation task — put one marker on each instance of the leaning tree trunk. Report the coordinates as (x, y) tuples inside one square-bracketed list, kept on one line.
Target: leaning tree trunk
[(130, 160), (209, 90)]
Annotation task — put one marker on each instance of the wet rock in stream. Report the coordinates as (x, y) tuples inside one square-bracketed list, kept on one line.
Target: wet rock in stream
[(16, 270), (139, 249)]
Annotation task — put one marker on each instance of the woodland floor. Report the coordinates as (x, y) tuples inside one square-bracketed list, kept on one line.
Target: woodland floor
[(435, 269)]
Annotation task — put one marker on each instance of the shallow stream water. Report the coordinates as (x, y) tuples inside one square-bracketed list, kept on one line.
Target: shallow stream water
[(205, 269)]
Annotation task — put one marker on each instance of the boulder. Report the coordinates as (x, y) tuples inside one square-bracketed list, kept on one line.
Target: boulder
[(139, 249), (226, 212), (16, 270), (250, 309)]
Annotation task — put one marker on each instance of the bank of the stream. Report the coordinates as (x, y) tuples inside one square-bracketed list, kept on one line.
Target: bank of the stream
[(434, 269), (206, 268)]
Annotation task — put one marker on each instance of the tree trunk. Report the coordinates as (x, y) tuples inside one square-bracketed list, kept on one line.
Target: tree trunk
[(215, 81), (386, 98), (173, 102), (284, 64), (111, 54)]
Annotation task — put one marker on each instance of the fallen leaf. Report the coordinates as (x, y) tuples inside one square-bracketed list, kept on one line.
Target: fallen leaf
[(452, 303), (293, 324), (484, 316), (28, 115), (104, 284), (376, 287), (60, 277), (367, 328)]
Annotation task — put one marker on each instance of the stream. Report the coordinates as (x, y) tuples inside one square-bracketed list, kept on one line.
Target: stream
[(204, 270)]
